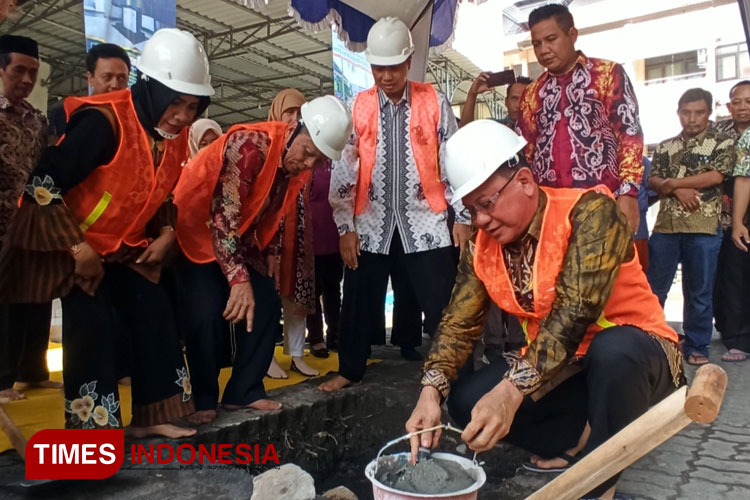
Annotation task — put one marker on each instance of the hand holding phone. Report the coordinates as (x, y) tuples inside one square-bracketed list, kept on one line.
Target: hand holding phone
[(501, 78)]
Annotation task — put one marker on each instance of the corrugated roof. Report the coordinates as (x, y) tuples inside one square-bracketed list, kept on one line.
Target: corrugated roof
[(254, 53)]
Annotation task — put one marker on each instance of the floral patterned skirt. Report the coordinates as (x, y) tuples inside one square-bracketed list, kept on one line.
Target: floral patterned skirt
[(126, 313)]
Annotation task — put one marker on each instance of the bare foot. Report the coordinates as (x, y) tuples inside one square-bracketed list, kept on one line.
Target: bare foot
[(562, 462), (166, 430), (550, 463), (124, 381), (260, 404), (276, 371), (11, 395), (202, 417), (336, 383), (299, 366), (42, 384)]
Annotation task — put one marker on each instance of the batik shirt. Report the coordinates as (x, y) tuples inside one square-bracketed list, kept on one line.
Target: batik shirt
[(726, 127), (583, 128), (600, 242), (23, 135), (677, 158), (742, 148), (396, 198), (244, 156)]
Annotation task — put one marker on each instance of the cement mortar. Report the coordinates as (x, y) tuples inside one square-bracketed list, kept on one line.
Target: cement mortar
[(429, 476)]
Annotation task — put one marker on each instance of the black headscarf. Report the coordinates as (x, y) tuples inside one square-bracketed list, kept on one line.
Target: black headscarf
[(152, 98)]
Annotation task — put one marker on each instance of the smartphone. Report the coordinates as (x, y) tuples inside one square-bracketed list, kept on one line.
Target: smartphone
[(501, 78)]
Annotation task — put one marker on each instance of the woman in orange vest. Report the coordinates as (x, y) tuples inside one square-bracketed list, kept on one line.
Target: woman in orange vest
[(562, 261), (95, 222), (231, 198)]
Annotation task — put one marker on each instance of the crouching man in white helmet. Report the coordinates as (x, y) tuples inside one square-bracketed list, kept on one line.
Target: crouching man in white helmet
[(96, 221), (389, 201), (563, 261), (231, 198)]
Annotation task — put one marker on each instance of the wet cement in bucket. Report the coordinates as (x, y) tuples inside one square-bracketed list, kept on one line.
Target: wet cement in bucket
[(431, 475)]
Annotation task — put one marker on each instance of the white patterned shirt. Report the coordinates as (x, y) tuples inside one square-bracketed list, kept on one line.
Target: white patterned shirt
[(396, 197)]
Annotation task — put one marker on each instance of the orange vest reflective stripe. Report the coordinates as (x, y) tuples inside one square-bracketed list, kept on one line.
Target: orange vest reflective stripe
[(116, 201), (423, 125), (631, 303), (195, 190)]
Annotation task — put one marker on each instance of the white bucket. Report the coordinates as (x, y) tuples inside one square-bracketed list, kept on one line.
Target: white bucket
[(383, 492)]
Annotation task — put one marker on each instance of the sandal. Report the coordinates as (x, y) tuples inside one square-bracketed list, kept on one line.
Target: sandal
[(734, 356), (696, 359), (531, 466)]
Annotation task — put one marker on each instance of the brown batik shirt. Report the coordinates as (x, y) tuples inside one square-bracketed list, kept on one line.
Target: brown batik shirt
[(23, 136), (600, 242)]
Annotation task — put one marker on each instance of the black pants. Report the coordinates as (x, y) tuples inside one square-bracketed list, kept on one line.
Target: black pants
[(431, 273), (125, 302), (407, 316), (329, 271), (24, 337), (625, 372), (204, 292), (730, 295)]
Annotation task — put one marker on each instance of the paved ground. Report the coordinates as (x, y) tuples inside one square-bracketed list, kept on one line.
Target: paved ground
[(703, 462)]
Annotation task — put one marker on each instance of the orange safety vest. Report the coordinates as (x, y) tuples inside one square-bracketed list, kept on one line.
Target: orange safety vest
[(116, 201), (195, 190), (423, 125), (631, 303)]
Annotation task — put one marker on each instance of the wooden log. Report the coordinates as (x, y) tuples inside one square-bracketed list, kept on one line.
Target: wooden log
[(641, 436), (706, 394), (13, 433)]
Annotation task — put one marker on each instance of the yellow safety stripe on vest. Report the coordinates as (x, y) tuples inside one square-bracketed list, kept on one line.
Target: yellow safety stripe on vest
[(96, 212), (604, 323)]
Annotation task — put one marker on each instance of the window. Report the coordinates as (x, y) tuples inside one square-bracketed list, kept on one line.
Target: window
[(732, 62), (673, 65)]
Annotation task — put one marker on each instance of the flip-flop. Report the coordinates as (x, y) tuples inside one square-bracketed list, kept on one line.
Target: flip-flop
[(531, 466), (696, 359), (739, 356)]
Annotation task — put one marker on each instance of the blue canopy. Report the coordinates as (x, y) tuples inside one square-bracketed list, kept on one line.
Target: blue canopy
[(352, 24)]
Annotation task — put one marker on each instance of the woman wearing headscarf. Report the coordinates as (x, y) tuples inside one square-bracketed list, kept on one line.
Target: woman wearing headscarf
[(94, 224), (202, 133), (297, 282)]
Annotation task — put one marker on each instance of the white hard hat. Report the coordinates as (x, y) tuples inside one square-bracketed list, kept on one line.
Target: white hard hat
[(329, 123), (176, 59), (389, 42), (475, 152)]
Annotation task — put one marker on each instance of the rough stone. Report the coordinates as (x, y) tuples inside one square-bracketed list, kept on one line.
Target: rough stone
[(289, 482), (340, 493)]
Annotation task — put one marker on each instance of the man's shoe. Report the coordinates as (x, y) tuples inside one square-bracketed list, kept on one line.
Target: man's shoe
[(411, 354)]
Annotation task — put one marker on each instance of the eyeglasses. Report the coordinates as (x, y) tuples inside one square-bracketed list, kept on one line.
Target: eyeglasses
[(487, 206)]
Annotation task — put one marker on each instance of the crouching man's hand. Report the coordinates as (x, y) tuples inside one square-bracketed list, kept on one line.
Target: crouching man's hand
[(426, 414), (492, 417)]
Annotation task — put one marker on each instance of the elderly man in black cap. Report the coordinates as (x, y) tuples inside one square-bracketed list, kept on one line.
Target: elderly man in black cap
[(24, 328)]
